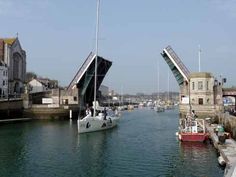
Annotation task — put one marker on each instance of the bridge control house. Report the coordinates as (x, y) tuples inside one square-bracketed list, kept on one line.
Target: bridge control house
[(204, 95), (199, 91)]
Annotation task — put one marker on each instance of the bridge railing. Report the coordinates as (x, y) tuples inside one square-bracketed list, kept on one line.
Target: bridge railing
[(177, 60), (81, 71)]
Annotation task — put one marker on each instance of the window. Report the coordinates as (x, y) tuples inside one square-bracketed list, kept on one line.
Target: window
[(3, 83), (193, 86), (207, 85), (75, 98), (200, 85), (200, 101)]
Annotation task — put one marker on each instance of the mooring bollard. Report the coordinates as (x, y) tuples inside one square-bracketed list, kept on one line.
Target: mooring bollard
[(70, 114)]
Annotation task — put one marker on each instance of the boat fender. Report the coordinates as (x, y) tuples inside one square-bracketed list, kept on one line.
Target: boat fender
[(221, 161), (88, 125), (104, 125)]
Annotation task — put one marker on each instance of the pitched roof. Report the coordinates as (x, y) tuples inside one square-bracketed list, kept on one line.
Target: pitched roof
[(9, 41)]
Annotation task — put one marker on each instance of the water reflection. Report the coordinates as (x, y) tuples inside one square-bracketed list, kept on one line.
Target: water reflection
[(92, 151), (199, 159), (12, 149)]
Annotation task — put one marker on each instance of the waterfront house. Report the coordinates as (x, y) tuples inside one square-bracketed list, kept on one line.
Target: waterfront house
[(36, 85), (3, 80)]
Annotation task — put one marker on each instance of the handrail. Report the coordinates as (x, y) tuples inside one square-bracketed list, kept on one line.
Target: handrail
[(81, 70)]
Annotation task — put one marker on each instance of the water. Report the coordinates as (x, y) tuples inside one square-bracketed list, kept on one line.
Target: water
[(144, 144)]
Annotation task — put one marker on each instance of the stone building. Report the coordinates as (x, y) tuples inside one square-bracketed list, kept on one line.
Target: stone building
[(201, 88), (14, 56)]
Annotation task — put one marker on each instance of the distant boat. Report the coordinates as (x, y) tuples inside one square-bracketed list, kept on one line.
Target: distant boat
[(100, 120), (159, 108), (192, 130)]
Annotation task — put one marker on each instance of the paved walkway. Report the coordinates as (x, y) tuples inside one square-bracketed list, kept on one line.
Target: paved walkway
[(227, 151)]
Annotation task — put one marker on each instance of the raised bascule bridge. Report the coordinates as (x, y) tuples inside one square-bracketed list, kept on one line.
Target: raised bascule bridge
[(199, 91), (83, 81)]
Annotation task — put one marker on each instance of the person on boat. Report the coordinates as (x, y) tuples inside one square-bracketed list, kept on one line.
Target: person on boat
[(116, 112), (88, 111), (105, 113), (193, 114)]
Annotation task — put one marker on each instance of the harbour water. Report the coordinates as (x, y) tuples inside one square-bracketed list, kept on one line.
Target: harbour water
[(144, 144)]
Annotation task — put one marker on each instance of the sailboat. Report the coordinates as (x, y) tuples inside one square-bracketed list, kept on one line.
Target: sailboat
[(99, 120), (169, 104), (158, 107)]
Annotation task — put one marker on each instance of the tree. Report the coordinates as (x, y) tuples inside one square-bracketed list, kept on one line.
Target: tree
[(30, 76)]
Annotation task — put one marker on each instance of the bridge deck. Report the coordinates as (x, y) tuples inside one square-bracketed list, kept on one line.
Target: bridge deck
[(181, 73)]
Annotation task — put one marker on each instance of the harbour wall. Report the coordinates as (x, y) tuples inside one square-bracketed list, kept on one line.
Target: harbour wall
[(45, 112), (11, 108), (202, 111), (20, 108), (229, 123)]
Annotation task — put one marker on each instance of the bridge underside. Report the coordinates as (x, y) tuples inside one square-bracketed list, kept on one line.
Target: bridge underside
[(84, 79), (177, 67), (86, 84)]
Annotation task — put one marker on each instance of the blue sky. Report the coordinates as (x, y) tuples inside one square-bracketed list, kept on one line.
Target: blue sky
[(58, 36)]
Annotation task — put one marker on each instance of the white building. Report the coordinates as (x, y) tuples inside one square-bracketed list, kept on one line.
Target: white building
[(3, 80), (36, 86)]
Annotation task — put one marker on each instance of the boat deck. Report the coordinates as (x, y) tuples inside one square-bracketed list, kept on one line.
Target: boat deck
[(227, 151)]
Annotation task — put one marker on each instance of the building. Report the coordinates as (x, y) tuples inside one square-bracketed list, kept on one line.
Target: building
[(104, 90), (3, 80), (200, 91), (42, 85), (14, 56), (201, 88), (36, 86)]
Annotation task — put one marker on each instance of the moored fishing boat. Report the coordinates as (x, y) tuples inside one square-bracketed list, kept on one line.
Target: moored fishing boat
[(192, 130)]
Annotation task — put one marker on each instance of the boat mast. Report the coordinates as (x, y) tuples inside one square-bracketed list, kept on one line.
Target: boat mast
[(158, 81), (168, 84), (199, 58), (95, 75)]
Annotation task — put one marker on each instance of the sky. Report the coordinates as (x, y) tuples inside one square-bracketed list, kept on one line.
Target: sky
[(59, 35)]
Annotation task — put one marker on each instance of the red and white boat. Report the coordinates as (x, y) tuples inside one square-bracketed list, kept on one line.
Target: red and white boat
[(192, 130)]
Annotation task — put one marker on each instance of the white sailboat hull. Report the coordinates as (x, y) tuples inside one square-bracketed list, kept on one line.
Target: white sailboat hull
[(92, 124)]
